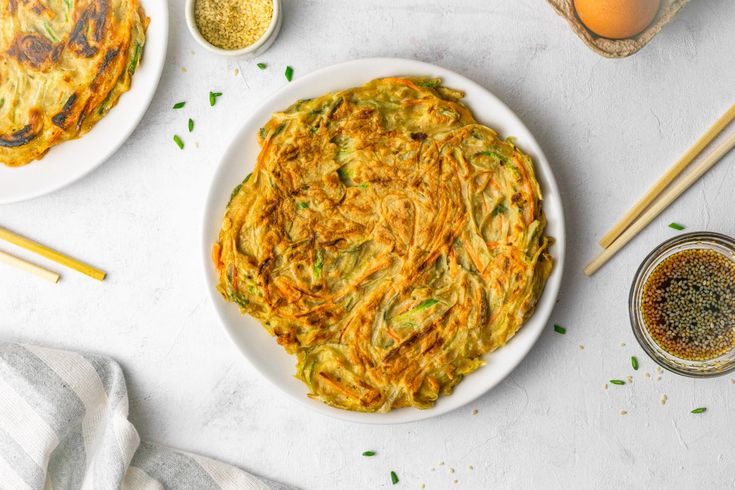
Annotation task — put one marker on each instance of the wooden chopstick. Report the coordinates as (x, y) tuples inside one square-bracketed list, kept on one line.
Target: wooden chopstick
[(52, 254), (22, 264), (668, 177), (667, 198)]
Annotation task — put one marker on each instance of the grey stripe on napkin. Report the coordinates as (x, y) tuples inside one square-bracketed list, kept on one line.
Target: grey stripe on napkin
[(64, 425)]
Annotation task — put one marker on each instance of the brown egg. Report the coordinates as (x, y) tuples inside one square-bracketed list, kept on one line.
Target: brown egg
[(616, 19)]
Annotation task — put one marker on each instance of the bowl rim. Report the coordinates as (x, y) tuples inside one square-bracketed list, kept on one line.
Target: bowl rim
[(663, 250), (250, 49)]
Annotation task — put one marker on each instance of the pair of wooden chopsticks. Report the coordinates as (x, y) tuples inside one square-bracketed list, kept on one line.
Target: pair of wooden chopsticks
[(47, 252), (641, 214)]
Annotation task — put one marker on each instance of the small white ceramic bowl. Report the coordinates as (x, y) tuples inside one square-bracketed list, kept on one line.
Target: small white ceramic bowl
[(257, 48)]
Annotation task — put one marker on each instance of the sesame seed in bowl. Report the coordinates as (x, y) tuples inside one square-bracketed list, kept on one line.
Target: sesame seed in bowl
[(682, 304), (234, 27)]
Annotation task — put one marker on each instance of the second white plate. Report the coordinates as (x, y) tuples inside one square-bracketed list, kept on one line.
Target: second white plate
[(262, 350), (72, 160)]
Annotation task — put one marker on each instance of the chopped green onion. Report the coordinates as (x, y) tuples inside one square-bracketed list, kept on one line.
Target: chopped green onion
[(343, 174), (213, 97), (289, 73), (103, 105), (676, 226), (429, 83), (634, 362), (699, 410), (493, 154), (318, 264), (500, 208), (51, 32), (179, 105), (617, 381), (393, 477), (178, 141), (368, 453), (191, 125), (68, 3), (135, 58), (426, 304), (237, 188), (262, 66), (302, 205), (278, 130), (559, 329)]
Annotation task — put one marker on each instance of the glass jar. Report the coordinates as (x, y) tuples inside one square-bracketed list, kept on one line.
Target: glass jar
[(722, 364)]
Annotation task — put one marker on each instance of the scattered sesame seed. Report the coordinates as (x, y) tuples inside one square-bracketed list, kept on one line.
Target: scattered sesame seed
[(470, 467), (658, 378), (441, 463), (183, 69), (475, 412), (456, 481), (237, 71), (605, 385), (423, 485), (630, 379), (581, 347), (622, 344), (664, 399), (648, 375), (451, 470), (623, 412)]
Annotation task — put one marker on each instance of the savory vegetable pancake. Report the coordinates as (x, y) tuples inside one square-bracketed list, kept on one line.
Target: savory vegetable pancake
[(63, 65), (387, 240)]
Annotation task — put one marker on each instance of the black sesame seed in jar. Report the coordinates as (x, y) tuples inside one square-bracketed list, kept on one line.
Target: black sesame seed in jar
[(688, 304)]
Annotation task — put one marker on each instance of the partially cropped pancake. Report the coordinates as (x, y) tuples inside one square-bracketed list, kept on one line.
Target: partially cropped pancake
[(63, 66), (387, 240)]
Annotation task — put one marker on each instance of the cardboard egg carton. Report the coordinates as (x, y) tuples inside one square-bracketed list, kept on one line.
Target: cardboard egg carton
[(617, 48)]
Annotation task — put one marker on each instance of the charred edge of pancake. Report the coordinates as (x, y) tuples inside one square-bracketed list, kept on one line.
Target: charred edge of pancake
[(60, 118), (24, 135), (82, 115), (109, 56), (101, 19), (96, 15), (19, 138), (35, 50)]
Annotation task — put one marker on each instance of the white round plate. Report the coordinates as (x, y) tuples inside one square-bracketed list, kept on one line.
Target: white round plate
[(72, 160), (262, 350)]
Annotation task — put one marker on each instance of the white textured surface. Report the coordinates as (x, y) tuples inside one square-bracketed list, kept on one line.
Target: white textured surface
[(609, 128)]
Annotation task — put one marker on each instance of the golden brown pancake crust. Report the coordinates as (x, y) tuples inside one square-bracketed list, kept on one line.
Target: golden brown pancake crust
[(387, 240)]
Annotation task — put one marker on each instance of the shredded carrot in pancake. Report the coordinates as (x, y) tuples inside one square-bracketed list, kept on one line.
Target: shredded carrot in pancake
[(386, 239)]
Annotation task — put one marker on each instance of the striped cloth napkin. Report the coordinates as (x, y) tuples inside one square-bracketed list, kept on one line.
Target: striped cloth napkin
[(64, 425)]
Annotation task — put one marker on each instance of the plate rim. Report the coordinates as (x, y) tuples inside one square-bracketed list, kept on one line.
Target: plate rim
[(551, 289), (108, 151)]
